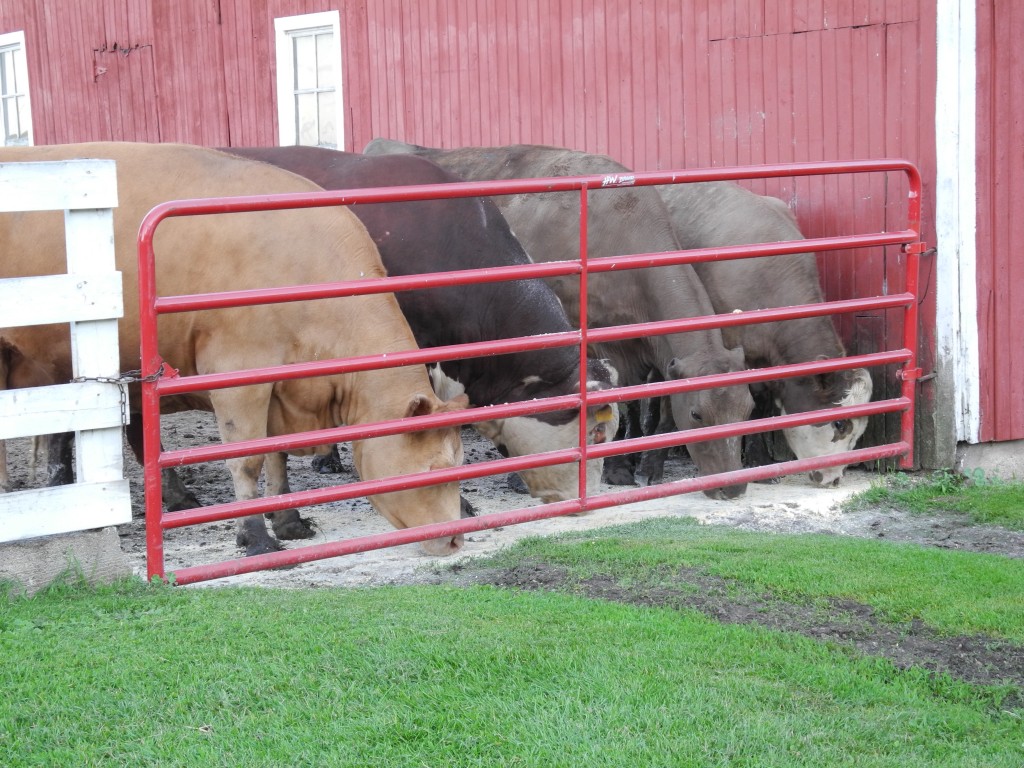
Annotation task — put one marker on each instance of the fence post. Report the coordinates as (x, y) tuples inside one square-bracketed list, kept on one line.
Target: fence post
[(89, 298)]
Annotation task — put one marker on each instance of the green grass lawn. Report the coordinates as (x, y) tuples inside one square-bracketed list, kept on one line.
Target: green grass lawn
[(988, 501), (478, 676)]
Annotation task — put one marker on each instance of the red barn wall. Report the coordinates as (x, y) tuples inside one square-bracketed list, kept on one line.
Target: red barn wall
[(662, 84), (655, 84), (1000, 233)]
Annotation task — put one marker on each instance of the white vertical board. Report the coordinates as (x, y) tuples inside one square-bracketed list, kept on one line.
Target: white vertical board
[(87, 191), (956, 300)]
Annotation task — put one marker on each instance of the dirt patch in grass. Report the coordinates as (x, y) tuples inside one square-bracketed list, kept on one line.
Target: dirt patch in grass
[(973, 659)]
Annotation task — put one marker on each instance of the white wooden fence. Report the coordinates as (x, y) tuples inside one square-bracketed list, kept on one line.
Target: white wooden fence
[(89, 298)]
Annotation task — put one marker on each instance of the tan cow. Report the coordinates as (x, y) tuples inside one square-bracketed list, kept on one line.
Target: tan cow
[(241, 251)]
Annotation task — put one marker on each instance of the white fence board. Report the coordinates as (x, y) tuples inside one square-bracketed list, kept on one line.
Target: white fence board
[(66, 408), (60, 299), (55, 186), (46, 511)]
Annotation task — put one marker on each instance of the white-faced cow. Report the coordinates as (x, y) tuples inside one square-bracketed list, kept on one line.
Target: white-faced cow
[(469, 233), (713, 214), (252, 250), (622, 221)]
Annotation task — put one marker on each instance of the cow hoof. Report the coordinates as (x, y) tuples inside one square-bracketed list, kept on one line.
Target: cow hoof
[(642, 480), (326, 465), (188, 501), (261, 546), (516, 483), (465, 508), (288, 526), (618, 475)]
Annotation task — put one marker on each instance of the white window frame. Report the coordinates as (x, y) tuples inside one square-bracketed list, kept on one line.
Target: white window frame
[(16, 41), (284, 28)]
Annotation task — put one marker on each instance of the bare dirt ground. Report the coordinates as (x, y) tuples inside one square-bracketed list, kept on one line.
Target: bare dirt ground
[(790, 506)]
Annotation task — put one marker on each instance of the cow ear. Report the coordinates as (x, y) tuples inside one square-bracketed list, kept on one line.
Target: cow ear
[(861, 386), (678, 368), (444, 386), (601, 374), (420, 405)]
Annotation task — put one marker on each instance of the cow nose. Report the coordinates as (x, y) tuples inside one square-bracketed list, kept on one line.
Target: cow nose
[(816, 477), (734, 491), (443, 547), (726, 492)]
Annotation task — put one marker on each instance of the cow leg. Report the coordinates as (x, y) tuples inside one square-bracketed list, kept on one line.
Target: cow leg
[(515, 483), (5, 477), (58, 459), (759, 448), (652, 463), (176, 495), (618, 470), (242, 415), (652, 411), (287, 523)]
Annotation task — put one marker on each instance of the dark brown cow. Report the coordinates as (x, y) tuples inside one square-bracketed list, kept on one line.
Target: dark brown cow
[(622, 221), (468, 233), (251, 250), (713, 214)]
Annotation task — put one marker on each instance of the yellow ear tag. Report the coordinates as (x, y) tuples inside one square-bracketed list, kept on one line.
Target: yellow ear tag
[(603, 414)]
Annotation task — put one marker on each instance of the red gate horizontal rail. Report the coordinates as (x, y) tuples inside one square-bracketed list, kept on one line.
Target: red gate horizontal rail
[(235, 509), (341, 289), (233, 450), (525, 515), (155, 385), (184, 384)]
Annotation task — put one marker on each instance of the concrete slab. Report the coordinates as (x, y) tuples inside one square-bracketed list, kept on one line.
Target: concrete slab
[(1004, 460), (34, 564)]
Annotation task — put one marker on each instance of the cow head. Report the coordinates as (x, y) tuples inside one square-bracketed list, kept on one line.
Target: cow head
[(708, 407), (412, 452), (523, 435), (811, 393)]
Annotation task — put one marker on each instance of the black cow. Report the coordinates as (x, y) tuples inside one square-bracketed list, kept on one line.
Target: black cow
[(627, 220)]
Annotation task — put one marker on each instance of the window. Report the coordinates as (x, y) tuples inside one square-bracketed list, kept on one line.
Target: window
[(15, 113), (309, 100)]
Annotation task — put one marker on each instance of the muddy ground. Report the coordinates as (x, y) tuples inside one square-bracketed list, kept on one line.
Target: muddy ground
[(790, 506)]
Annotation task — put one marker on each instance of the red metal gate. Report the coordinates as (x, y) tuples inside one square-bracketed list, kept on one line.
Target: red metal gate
[(158, 382)]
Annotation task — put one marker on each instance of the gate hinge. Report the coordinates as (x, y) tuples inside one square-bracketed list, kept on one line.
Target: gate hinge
[(909, 374), (919, 247)]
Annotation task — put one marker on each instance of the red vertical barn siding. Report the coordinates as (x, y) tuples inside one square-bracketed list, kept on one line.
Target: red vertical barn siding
[(1000, 223), (653, 83)]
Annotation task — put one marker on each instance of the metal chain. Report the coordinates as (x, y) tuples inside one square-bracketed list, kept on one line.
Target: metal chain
[(122, 381)]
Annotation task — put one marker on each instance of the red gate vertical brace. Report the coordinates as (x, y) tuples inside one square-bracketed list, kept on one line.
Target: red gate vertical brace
[(151, 368), (584, 451)]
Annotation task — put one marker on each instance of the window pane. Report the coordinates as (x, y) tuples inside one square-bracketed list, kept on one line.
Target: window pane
[(14, 133), (306, 122), (328, 127), (7, 87), (305, 63), (324, 70)]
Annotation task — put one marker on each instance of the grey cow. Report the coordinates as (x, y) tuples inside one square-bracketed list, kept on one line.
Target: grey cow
[(622, 221)]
